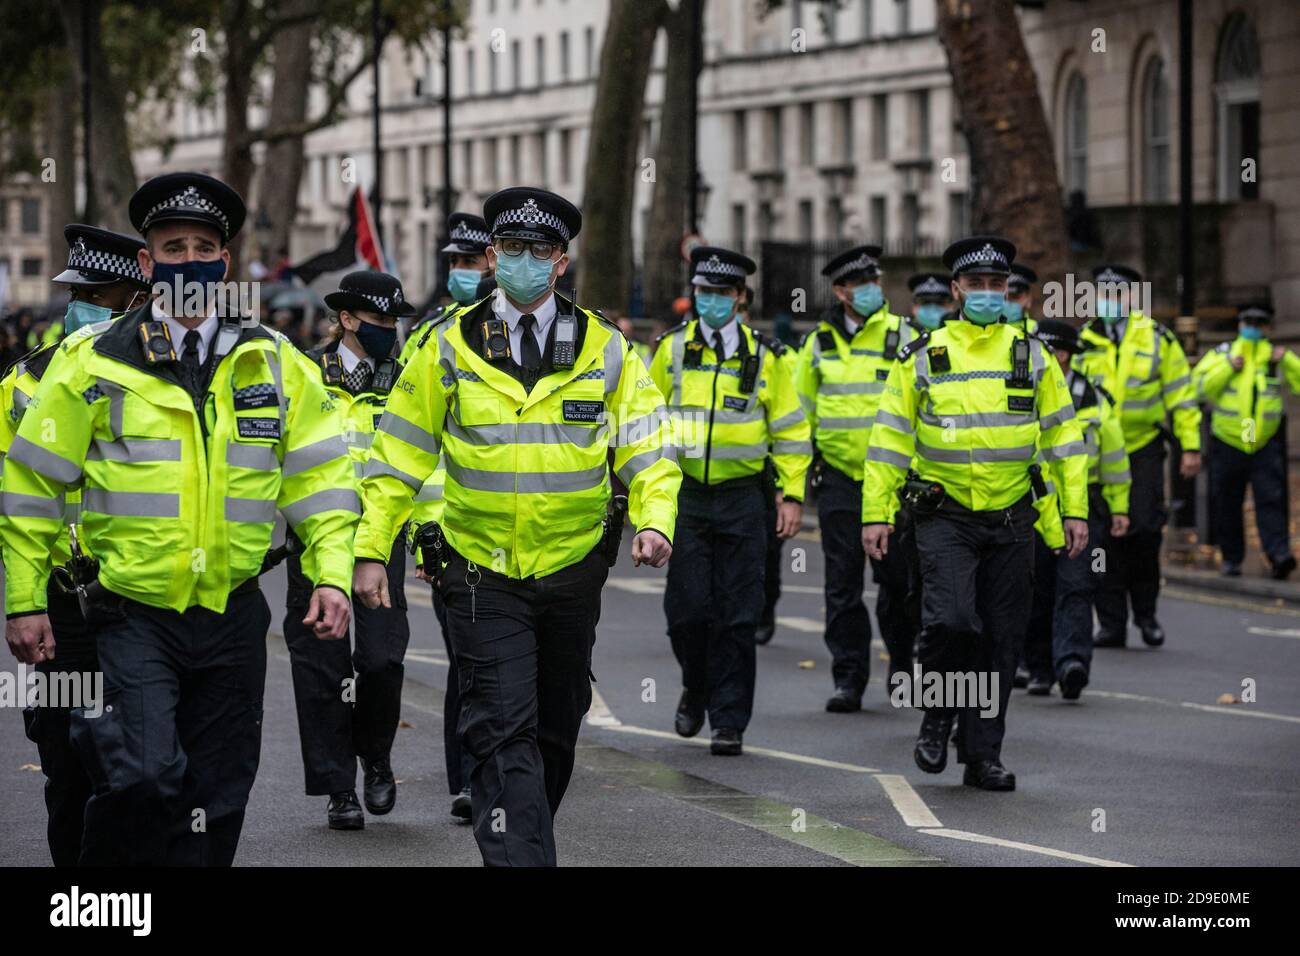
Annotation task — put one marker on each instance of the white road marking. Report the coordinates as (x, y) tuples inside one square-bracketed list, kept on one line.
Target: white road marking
[(423, 658), (749, 749), (1027, 847), (1274, 631), (907, 801), (648, 585), (1243, 710), (600, 715), (805, 624)]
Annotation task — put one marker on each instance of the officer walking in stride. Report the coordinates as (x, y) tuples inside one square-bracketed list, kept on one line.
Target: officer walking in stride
[(1241, 381), (969, 406), (344, 717), (103, 278), (931, 299), (524, 393), (175, 418), (1141, 364), (843, 365), (731, 402), (1017, 309)]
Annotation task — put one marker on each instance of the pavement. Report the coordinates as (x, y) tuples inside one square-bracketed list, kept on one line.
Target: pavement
[(1150, 768)]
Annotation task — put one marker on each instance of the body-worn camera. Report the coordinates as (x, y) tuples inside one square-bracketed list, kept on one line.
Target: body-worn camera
[(496, 340), (156, 339)]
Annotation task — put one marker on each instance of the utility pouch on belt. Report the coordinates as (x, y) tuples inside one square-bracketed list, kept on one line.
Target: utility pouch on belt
[(922, 496), (429, 543), (615, 512)]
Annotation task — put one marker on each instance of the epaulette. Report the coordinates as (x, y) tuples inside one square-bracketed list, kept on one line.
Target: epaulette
[(667, 332), (914, 346), (773, 345), (25, 359), (806, 336), (1166, 333), (94, 330)]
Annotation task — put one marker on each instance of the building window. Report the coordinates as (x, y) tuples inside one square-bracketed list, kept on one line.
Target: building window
[(1076, 135), (564, 56), (31, 219), (796, 14), (516, 159), (808, 133), (516, 64), (490, 162), (911, 220), (879, 225), (541, 60), (543, 166), (844, 130), (774, 151), (32, 268), (880, 126), (958, 215), (738, 226), (738, 132), (1236, 91), (492, 69), (829, 13), (467, 165), (918, 122), (835, 218), (589, 43), (469, 71), (868, 21), (1155, 133), (903, 15), (766, 220), (4, 215), (566, 155), (805, 220)]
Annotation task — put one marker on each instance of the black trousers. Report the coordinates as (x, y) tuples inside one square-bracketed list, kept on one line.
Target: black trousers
[(848, 626), (459, 763), (714, 595), (772, 557), (976, 592), (523, 658), (338, 720), (1132, 575), (174, 753), (67, 787), (1231, 470)]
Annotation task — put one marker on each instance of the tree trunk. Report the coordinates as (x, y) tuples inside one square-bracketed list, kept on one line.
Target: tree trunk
[(1018, 194), (283, 164), (59, 124), (612, 166), (236, 150), (113, 171), (663, 266)]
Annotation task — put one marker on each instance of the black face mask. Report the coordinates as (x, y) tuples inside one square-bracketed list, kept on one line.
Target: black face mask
[(377, 340)]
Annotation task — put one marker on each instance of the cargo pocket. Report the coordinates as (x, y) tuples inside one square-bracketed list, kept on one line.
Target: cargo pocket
[(32, 724), (468, 726), (102, 743)]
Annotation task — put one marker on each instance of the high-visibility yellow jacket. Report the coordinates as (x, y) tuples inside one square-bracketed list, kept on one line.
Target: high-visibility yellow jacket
[(954, 410), (428, 500), (720, 429), (1246, 405), (1027, 323), (178, 508), (1148, 376), (527, 480), (358, 414), (840, 380)]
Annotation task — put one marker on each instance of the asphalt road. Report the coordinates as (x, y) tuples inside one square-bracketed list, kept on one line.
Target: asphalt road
[(1147, 769)]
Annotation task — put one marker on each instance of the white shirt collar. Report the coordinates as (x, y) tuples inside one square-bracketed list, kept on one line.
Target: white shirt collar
[(351, 359), (851, 322), (544, 313), (730, 337), (207, 329)]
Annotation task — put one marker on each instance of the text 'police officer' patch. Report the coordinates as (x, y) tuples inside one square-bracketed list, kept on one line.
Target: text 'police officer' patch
[(735, 402), (254, 396), (583, 411), (259, 428), (1020, 403)]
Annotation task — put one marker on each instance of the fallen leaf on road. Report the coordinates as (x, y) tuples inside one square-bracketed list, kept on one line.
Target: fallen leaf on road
[(405, 723), (807, 665), (1227, 699), (31, 766)]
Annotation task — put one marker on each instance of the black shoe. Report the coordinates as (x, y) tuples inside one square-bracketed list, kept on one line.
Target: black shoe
[(460, 805), (1074, 678), (931, 751), (845, 700), (1282, 569), (690, 715), (344, 812), (381, 788), (1104, 638), (1039, 686), (1231, 569), (726, 743), (989, 775), (764, 632), (1021, 680), (1153, 635)]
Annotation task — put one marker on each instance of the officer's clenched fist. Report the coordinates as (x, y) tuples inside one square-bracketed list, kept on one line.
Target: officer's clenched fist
[(30, 638), (370, 584), (652, 548), (329, 614)]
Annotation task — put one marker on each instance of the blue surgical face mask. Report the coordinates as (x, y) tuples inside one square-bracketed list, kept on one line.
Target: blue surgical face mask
[(867, 298), (929, 315), (463, 284), (983, 307), (1109, 311), (522, 277), (714, 309), (80, 314), (1252, 333), (1013, 312), (202, 272)]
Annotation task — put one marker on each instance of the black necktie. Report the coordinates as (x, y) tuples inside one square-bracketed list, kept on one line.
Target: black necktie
[(717, 347), (530, 356), (190, 361)]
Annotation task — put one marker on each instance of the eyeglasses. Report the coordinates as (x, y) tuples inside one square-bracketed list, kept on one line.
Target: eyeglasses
[(516, 247)]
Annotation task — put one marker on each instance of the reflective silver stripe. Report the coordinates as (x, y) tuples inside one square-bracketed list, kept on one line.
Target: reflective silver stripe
[(679, 354), (260, 457), (331, 499), (1037, 359), (43, 461), (786, 421), (71, 512), (637, 429), (738, 452), (20, 398), (1110, 457), (409, 432), (1186, 403), (1221, 410), (135, 450), (1269, 415), (1141, 402), (250, 510), (859, 421), (727, 416), (614, 351), (1176, 383), (884, 455), (359, 469), (1116, 477), (792, 448), (1134, 382), (357, 439), (131, 504), (375, 467), (1063, 414), (509, 482), (1057, 452), (897, 422), (950, 455), (16, 505), (277, 379), (317, 453), (116, 400), (430, 493), (960, 456), (851, 388), (527, 433), (638, 463), (973, 419)]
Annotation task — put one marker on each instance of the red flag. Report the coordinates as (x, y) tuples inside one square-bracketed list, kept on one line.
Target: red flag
[(369, 251)]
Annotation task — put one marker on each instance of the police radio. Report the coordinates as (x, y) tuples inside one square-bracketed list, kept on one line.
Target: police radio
[(1020, 364), (156, 340), (749, 374), (564, 350), (385, 376), (891, 344), (496, 340)]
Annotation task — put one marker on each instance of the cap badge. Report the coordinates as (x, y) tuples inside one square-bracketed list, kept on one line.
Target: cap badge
[(397, 295), (714, 263), (190, 197), (79, 248), (531, 213)]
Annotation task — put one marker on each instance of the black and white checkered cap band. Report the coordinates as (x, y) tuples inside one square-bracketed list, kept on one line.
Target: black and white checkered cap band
[(713, 266), (931, 286), (81, 256), (1256, 313), (1110, 275), (863, 263), (463, 233), (986, 256), (188, 200), (530, 215), (382, 302)]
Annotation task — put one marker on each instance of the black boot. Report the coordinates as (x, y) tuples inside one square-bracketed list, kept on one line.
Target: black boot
[(690, 715), (380, 788), (1105, 638), (989, 775), (845, 700), (1282, 569), (1073, 678), (766, 628), (461, 808), (726, 742), (344, 812), (1039, 686), (931, 751), (1021, 679), (1153, 635)]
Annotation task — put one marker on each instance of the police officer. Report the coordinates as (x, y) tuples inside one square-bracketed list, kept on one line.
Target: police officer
[(103, 277), (1058, 643), (1241, 381), (969, 406), (468, 276), (931, 299), (1141, 363), (524, 393), (843, 365), (1017, 310), (732, 402), (175, 418), (344, 717)]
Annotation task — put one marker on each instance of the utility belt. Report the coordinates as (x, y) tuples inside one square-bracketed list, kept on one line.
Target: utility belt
[(732, 484)]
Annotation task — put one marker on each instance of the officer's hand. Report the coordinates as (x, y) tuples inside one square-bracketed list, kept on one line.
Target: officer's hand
[(789, 518), (1118, 526), (1076, 536), (329, 614), (1237, 361), (30, 638), (1278, 352), (419, 573), (652, 548), (370, 584), (875, 539), (1190, 466)]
